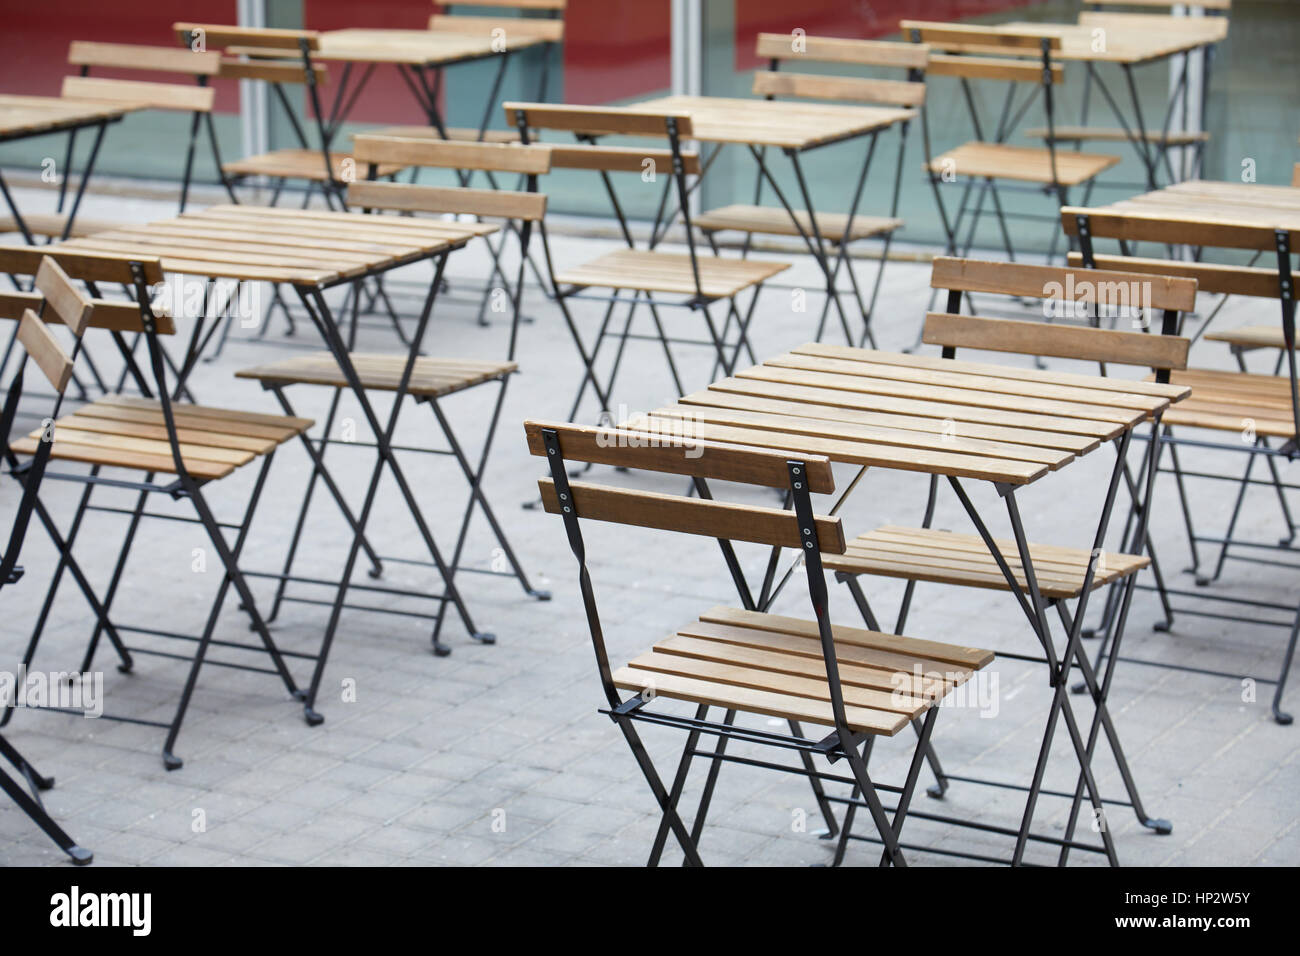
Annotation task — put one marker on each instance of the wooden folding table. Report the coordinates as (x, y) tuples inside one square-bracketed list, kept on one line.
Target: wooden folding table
[(23, 117), (794, 128), (312, 251), (967, 422), (1127, 41)]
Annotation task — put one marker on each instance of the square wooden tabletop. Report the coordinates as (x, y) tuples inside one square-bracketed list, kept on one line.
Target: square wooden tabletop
[(415, 47), (1228, 215), (272, 244), (22, 116), (1130, 39), (1203, 200), (914, 412), (778, 123)]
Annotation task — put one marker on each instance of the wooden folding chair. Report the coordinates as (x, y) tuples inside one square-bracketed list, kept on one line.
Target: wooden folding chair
[(429, 380), (57, 302), (861, 684), (195, 445), (990, 160), (175, 97), (279, 57), (1256, 414), (1064, 574), (840, 230), (649, 272)]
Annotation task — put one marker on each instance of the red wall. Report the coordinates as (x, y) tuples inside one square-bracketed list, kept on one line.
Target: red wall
[(34, 37), (613, 50), (846, 18)]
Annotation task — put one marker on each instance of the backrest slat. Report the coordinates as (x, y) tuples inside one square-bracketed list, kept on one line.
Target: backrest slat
[(991, 68), (45, 351), (600, 120), (969, 38), (552, 31), (452, 154), (859, 89), (219, 35), (406, 197), (619, 159), (663, 452), (714, 519), (1153, 227), (1054, 340), (113, 315), (1210, 277), (1054, 282), (134, 56), (787, 46), (67, 301), (161, 96), (79, 264), (270, 71)]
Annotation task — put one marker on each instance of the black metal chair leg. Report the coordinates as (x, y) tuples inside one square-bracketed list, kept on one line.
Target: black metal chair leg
[(1281, 716), (78, 854)]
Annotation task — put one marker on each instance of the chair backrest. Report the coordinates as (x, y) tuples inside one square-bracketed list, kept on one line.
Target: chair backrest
[(132, 56), (530, 161), (779, 48), (1089, 287), (1221, 231), (158, 96), (600, 120), (219, 36), (187, 97), (274, 56), (547, 26), (194, 96), (589, 122), (57, 297), (679, 454)]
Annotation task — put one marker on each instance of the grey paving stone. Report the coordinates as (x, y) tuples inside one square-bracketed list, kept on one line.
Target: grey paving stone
[(413, 770)]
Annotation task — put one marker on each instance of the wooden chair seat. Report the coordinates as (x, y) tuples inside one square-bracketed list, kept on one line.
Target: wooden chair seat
[(53, 223), (1251, 337), (775, 221), (1024, 163), (1105, 134), (943, 557), (647, 271), (306, 164), (119, 431), (431, 377), (773, 665), (1228, 401)]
